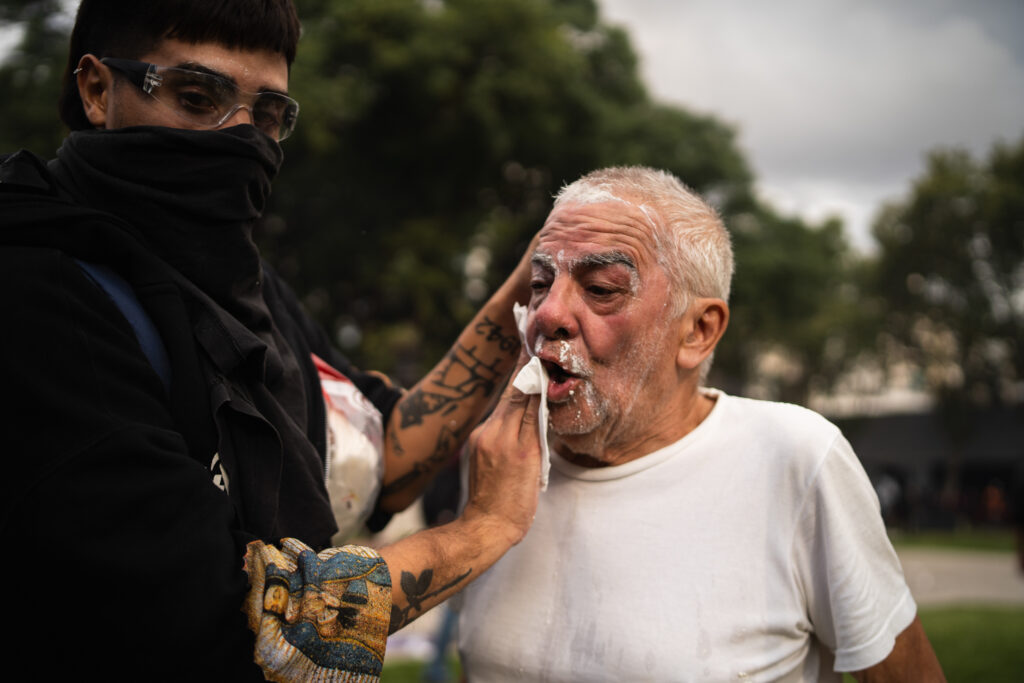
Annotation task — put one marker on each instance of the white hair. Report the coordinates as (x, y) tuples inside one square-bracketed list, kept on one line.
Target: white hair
[(690, 240)]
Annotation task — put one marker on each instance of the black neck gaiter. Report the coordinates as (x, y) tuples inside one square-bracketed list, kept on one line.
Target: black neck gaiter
[(194, 198)]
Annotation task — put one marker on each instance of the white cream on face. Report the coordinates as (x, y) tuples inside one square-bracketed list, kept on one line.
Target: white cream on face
[(546, 261), (572, 360), (585, 261), (560, 263)]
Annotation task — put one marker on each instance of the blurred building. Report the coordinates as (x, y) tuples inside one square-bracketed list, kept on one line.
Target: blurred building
[(927, 478)]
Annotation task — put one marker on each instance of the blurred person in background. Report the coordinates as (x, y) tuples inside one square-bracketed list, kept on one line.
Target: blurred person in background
[(169, 436), (686, 534)]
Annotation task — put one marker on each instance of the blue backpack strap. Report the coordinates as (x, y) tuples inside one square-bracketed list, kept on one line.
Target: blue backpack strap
[(123, 296)]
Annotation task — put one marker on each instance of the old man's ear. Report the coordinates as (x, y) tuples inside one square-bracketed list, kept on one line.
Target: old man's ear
[(699, 331)]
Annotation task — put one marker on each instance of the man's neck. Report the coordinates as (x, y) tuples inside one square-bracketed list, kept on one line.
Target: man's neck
[(673, 426)]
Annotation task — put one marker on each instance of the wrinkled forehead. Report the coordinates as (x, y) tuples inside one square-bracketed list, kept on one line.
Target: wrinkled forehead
[(614, 230)]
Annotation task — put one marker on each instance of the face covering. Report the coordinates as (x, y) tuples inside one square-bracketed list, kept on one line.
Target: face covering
[(193, 197)]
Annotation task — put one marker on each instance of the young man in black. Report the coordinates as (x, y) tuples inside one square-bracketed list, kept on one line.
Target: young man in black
[(132, 491)]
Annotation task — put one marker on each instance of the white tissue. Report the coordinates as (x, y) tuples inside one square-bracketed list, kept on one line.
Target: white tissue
[(533, 379), (519, 312)]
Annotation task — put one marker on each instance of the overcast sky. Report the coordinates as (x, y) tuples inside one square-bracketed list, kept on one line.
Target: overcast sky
[(837, 101)]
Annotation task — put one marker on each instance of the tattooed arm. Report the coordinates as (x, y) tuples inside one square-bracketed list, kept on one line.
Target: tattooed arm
[(430, 421), (316, 615), (432, 565)]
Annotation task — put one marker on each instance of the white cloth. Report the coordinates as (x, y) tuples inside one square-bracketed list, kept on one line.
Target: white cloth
[(533, 379), (752, 549)]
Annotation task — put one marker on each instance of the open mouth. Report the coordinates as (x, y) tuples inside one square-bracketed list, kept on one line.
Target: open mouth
[(556, 373)]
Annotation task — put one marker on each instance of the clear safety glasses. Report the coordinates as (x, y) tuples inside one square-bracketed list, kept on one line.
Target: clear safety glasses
[(206, 100)]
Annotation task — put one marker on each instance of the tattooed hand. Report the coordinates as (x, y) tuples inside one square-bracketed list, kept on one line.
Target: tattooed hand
[(505, 463), (504, 474), (426, 428)]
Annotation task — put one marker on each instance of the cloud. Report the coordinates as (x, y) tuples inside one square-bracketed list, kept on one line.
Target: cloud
[(836, 101)]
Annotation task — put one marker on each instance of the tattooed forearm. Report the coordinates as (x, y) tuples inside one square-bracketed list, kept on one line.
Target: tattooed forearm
[(465, 372), (420, 403), (415, 589), (459, 377), (492, 331), (396, 445), (446, 444), (431, 420)]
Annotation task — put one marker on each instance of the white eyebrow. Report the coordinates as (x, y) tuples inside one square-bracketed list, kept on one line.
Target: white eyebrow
[(544, 261), (610, 258)]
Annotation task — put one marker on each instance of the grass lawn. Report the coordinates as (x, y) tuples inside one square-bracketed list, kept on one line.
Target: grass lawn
[(974, 644), (410, 671), (998, 540), (977, 643)]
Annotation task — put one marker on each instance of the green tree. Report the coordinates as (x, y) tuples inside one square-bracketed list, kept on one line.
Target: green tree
[(951, 270), (797, 318), (30, 77), (432, 137)]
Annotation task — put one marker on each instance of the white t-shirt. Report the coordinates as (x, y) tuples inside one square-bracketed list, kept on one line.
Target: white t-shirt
[(750, 550)]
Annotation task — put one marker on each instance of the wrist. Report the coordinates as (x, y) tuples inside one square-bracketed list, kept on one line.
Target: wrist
[(490, 530)]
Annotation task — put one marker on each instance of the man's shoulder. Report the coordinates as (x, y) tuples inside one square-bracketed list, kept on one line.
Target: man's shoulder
[(34, 210), (791, 413), (41, 218), (785, 424), (24, 171)]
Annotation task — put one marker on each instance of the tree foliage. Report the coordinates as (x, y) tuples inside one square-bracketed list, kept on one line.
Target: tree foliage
[(797, 319), (30, 77), (432, 136), (951, 270)]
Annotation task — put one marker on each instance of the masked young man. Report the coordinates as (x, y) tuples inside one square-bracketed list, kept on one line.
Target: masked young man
[(166, 419)]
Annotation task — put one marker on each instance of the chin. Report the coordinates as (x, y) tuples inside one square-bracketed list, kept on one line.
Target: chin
[(570, 422), (575, 437), (582, 415)]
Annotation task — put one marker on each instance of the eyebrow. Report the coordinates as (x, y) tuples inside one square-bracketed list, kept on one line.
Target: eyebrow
[(610, 258), (543, 260), (195, 66)]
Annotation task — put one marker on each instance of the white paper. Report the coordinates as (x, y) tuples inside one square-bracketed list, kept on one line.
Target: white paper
[(533, 379)]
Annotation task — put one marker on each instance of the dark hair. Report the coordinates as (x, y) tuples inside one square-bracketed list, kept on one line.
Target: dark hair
[(131, 28)]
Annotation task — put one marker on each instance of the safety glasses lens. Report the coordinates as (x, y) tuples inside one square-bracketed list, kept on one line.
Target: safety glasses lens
[(210, 100)]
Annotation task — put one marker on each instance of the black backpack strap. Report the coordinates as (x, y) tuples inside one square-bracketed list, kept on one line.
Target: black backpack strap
[(123, 296)]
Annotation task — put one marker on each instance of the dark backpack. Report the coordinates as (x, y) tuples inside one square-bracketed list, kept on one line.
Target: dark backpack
[(123, 296)]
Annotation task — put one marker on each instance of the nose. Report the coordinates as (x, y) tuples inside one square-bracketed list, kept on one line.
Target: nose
[(242, 113), (555, 316)]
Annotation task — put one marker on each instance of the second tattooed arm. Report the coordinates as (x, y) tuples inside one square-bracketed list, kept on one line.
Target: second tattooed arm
[(432, 565), (431, 420)]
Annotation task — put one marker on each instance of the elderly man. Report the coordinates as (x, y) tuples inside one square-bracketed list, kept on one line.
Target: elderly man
[(686, 534)]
